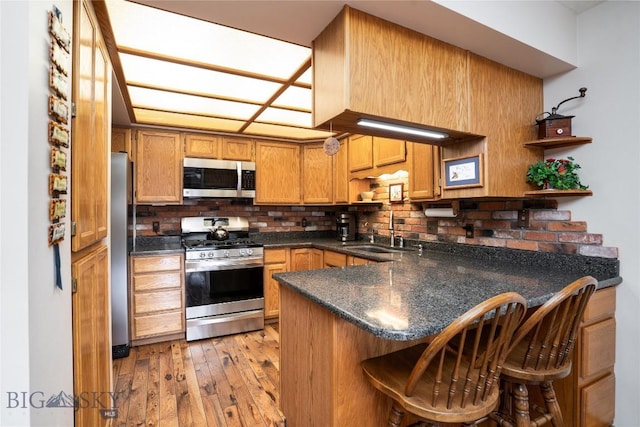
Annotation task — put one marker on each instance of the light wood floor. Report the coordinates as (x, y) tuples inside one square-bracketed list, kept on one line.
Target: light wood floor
[(221, 382)]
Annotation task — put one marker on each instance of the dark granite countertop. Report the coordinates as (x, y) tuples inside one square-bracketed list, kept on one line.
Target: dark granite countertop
[(414, 296), (156, 245)]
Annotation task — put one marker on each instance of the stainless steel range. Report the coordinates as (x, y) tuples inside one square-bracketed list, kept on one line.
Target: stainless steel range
[(223, 277)]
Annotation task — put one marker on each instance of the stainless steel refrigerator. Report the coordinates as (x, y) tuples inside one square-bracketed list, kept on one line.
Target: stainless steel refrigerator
[(120, 185)]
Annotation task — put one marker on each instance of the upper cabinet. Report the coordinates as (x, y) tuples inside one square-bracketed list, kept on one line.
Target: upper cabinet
[(341, 174), (158, 167), (317, 175), (278, 175), (121, 141), (424, 171), (503, 105), (91, 95), (218, 147), (372, 155), (368, 67)]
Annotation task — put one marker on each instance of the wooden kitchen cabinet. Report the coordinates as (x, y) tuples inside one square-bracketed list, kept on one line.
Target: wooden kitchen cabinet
[(202, 146), (366, 66), (374, 156), (388, 151), (317, 259), (360, 153), (424, 171), (158, 167), (300, 259), (121, 141), (91, 331), (317, 175), (278, 175), (157, 298), (275, 261), (334, 259), (341, 174), (587, 395), (354, 260), (91, 95), (237, 149)]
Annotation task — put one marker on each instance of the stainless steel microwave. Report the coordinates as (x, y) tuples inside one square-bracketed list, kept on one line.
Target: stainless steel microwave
[(218, 178)]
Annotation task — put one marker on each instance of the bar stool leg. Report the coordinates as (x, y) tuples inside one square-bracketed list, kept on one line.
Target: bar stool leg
[(521, 405), (395, 416), (551, 404)]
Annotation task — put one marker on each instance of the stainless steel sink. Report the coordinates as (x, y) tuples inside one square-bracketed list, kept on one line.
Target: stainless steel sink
[(374, 249)]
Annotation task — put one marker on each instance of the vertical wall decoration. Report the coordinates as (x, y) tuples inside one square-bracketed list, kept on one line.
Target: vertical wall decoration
[(58, 132)]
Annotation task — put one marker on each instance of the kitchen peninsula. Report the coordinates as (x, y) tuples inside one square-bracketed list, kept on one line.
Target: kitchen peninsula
[(332, 319)]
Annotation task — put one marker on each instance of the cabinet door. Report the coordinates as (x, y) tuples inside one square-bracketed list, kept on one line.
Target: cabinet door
[(389, 151), (277, 173), (300, 259), (317, 175), (91, 332), (341, 174), (360, 152), (203, 146), (317, 259), (422, 171), (90, 145), (334, 259), (121, 141), (272, 289), (158, 167), (237, 149)]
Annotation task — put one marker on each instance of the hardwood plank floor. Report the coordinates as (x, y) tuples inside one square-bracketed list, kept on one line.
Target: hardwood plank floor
[(230, 381)]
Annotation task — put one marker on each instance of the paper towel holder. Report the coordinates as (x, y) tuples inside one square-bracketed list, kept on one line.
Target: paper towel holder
[(449, 210)]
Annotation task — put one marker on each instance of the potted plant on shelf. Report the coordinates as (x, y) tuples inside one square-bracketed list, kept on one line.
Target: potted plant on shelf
[(556, 174)]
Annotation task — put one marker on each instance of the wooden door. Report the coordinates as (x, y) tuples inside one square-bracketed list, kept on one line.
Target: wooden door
[(237, 149), (91, 95), (317, 175), (389, 151), (91, 337), (278, 178), (158, 167), (360, 153), (300, 259), (423, 168), (317, 259), (341, 174), (204, 146)]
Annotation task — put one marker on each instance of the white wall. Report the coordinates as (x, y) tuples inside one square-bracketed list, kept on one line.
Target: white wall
[(36, 344), (609, 66)]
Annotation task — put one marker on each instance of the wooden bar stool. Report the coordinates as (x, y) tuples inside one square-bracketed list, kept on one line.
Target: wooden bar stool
[(456, 377), (541, 353)]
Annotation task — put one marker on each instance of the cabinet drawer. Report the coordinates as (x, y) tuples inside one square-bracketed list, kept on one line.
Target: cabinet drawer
[(598, 346), (601, 305), (150, 282), (334, 259), (158, 324), (150, 302), (272, 256), (159, 263), (598, 408)]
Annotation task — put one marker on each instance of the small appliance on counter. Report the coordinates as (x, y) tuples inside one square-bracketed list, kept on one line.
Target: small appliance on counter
[(346, 226)]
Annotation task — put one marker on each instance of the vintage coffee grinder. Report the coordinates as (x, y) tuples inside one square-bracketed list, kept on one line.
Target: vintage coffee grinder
[(556, 125)]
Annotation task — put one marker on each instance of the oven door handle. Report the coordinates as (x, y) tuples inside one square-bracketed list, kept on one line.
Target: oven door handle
[(222, 264)]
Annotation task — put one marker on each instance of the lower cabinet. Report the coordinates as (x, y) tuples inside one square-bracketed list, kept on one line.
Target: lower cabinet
[(275, 261), (587, 395), (334, 259), (157, 298)]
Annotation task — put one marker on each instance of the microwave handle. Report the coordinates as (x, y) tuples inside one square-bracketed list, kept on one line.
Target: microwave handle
[(239, 185)]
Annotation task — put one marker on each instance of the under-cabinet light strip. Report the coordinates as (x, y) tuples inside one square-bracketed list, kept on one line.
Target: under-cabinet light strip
[(402, 129)]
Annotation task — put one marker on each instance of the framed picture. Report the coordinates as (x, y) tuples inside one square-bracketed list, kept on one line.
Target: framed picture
[(396, 193), (463, 172)]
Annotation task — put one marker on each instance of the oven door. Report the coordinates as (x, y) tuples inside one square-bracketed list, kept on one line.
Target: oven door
[(215, 292)]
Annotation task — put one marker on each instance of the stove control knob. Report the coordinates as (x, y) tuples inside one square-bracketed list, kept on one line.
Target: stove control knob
[(249, 252), (202, 254), (243, 252), (210, 254), (226, 253)]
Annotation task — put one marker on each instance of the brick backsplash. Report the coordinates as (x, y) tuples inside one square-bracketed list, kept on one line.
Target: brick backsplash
[(495, 222)]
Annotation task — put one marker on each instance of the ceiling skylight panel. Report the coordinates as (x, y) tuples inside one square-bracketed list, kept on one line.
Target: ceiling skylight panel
[(294, 97), (285, 117), (286, 132), (169, 101), (306, 77), (152, 30), (186, 120), (193, 79)]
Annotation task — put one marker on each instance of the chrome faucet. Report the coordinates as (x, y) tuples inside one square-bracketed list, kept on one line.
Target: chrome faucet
[(391, 229)]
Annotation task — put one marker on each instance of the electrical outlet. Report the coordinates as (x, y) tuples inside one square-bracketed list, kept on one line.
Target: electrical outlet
[(523, 218), (468, 231), (156, 226)]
